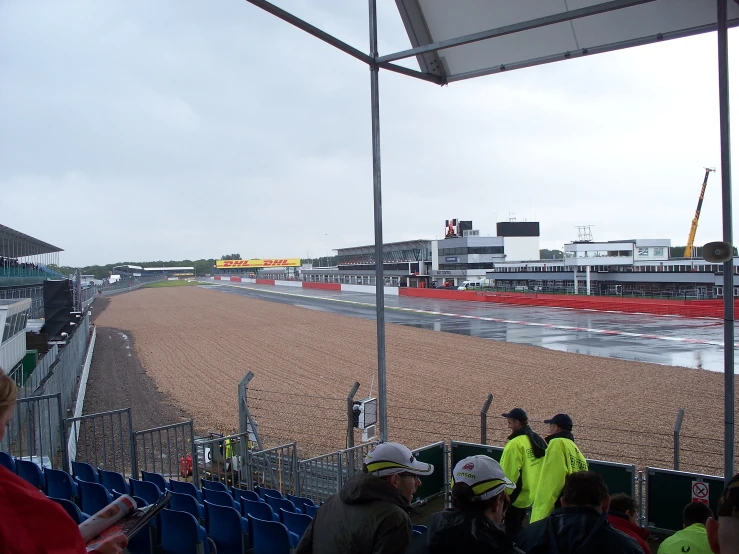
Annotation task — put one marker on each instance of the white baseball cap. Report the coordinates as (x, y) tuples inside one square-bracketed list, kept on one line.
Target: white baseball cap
[(484, 475), (389, 458)]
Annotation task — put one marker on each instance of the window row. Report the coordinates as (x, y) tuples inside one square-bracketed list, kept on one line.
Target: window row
[(15, 324)]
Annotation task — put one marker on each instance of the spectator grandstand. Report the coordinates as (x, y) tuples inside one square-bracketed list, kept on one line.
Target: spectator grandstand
[(25, 260)]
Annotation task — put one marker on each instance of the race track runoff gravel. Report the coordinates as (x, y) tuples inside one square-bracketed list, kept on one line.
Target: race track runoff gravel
[(197, 344)]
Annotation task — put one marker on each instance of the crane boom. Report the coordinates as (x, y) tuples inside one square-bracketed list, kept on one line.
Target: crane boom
[(694, 225)]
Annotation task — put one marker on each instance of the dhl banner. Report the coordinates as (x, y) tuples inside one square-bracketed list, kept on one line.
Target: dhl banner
[(284, 262)]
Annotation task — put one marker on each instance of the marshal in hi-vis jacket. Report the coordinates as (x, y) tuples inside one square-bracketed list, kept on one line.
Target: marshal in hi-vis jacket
[(563, 457), (521, 462)]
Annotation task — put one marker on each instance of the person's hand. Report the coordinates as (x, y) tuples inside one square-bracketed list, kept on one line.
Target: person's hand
[(112, 545)]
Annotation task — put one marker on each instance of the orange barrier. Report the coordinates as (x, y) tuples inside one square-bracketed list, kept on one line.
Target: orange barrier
[(322, 286), (686, 308)]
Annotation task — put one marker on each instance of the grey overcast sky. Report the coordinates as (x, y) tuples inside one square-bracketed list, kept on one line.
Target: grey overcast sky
[(148, 130)]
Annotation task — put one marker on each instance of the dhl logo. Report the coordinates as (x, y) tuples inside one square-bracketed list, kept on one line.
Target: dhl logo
[(283, 262)]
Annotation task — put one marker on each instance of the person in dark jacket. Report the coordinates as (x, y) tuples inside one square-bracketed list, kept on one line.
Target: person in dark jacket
[(522, 462), (472, 526), (622, 514), (581, 525), (370, 513)]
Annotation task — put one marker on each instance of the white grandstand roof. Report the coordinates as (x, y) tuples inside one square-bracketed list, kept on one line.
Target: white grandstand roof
[(169, 268)]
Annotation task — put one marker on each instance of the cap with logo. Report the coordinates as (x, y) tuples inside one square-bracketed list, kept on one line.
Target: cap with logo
[(518, 414), (389, 458), (561, 420), (728, 504), (484, 476)]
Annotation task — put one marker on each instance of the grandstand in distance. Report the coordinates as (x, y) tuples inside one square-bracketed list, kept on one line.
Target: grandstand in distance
[(139, 271)]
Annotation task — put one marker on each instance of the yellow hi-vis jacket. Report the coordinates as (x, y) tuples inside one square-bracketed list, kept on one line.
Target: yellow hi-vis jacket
[(563, 457), (518, 461), (693, 539)]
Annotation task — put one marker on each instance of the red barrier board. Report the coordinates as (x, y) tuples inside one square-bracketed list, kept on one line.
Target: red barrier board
[(687, 308), (235, 279), (265, 281), (322, 286)]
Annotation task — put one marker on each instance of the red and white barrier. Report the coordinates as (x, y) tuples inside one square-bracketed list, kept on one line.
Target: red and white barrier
[(688, 308)]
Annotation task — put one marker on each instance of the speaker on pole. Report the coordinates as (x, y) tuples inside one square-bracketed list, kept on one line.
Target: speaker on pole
[(718, 252)]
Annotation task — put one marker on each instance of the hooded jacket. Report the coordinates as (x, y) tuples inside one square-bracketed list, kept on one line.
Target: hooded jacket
[(563, 457), (639, 534), (575, 530), (521, 463), (455, 532), (368, 516)]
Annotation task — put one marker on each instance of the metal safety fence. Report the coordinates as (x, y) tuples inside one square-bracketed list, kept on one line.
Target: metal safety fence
[(275, 468), (322, 476), (35, 432), (162, 450), (102, 440), (34, 292), (223, 458)]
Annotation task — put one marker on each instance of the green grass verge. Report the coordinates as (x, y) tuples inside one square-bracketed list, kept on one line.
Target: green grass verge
[(161, 284)]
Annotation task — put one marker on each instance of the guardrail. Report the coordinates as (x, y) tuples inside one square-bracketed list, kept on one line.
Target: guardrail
[(102, 439), (161, 449)]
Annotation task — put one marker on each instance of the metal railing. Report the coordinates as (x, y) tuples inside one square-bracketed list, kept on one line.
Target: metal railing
[(102, 439), (34, 292), (36, 431), (221, 458), (275, 468), (323, 476), (161, 450)]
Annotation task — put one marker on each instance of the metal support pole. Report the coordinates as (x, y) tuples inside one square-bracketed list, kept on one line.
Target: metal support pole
[(350, 416), (377, 188), (723, 97), (676, 440), (484, 419), (640, 490)]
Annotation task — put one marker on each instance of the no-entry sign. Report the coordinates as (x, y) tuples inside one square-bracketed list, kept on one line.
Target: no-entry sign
[(700, 492)]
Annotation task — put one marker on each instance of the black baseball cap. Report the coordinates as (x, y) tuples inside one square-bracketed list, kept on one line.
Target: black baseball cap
[(561, 420), (518, 414)]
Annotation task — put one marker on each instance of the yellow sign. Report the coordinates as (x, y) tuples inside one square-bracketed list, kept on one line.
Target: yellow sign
[(284, 262)]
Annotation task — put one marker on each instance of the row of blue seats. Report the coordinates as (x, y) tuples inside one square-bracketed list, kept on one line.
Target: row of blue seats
[(268, 523)]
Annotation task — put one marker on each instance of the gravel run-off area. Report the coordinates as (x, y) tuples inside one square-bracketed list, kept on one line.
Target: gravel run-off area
[(195, 345)]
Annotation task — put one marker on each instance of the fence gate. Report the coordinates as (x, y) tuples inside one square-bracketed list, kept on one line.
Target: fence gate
[(220, 458), (102, 439), (435, 484), (669, 491), (36, 431), (161, 449), (618, 477), (320, 477), (275, 468)]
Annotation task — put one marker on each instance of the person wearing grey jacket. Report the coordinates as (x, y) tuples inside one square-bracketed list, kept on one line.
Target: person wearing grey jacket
[(370, 513)]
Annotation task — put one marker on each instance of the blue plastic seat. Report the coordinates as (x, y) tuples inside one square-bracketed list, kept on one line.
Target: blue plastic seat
[(238, 494), (278, 504), (300, 502), (113, 480), (72, 509), (229, 531), (417, 533), (31, 473), (146, 490), (156, 478), (270, 492), (94, 497), (311, 510), (420, 528), (214, 485), (271, 537), (295, 523), (85, 472), (181, 533), (261, 510), (186, 503), (140, 502), (60, 484), (185, 487), (221, 498), (7, 461)]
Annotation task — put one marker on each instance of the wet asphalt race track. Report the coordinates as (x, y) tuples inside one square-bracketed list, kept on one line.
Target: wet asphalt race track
[(679, 341)]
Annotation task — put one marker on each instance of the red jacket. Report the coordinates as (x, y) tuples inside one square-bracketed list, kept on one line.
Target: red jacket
[(30, 523), (631, 529)]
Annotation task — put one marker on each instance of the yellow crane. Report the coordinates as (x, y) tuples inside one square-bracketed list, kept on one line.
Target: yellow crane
[(694, 225)]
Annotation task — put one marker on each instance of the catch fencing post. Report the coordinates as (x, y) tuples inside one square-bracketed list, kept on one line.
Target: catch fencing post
[(640, 489), (484, 420), (350, 415), (676, 440)]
